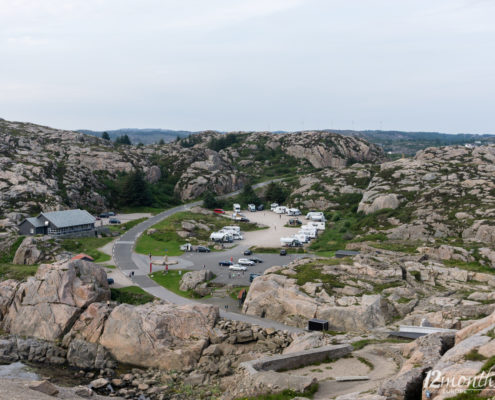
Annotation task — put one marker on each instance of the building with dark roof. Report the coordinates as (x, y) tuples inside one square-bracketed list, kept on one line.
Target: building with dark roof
[(66, 223)]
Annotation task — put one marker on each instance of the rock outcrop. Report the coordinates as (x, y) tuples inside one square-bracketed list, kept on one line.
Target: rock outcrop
[(49, 303), (159, 335)]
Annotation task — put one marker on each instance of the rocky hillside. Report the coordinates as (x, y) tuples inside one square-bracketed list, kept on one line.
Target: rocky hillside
[(376, 289), (45, 169)]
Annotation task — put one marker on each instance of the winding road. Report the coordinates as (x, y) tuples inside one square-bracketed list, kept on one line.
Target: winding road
[(126, 260)]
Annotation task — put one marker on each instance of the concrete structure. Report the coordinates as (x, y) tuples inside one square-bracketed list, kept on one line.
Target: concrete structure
[(59, 223), (298, 359)]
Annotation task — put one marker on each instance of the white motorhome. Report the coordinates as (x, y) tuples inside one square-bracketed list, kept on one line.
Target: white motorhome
[(252, 207), (294, 211), (320, 225), (237, 236), (315, 216), (237, 208), (290, 242), (280, 210), (273, 206), (311, 231), (225, 237), (302, 237), (231, 228)]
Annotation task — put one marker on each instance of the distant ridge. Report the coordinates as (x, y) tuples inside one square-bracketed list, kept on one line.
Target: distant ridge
[(144, 136)]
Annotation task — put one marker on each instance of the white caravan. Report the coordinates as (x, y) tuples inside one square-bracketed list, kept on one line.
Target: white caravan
[(320, 225), (280, 210), (225, 237), (290, 242), (237, 208), (273, 206), (302, 237), (231, 228), (294, 211), (252, 207)]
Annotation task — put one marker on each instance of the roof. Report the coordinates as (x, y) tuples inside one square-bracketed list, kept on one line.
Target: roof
[(82, 256), (62, 219), (34, 221)]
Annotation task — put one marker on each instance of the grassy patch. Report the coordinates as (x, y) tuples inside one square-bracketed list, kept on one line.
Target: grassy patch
[(131, 295), (313, 272), (325, 254), (366, 362), (166, 236), (8, 256), (88, 246), (358, 345), (275, 250), (284, 395), (171, 280), (17, 272), (235, 291), (133, 210), (126, 225), (473, 355), (470, 266)]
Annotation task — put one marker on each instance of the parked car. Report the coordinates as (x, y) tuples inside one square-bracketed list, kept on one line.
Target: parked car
[(283, 252), (114, 221), (110, 281), (104, 215), (256, 260), (247, 252), (202, 249), (245, 261), (218, 211), (237, 267), (244, 219), (295, 222), (111, 214), (251, 207), (252, 276), (261, 207), (225, 263)]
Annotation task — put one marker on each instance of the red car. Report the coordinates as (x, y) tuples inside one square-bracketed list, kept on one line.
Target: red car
[(218, 211)]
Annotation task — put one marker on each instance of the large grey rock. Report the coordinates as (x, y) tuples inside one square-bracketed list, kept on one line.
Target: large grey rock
[(190, 280), (49, 303), (160, 335), (28, 253)]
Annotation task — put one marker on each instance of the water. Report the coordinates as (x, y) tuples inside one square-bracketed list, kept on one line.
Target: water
[(62, 376)]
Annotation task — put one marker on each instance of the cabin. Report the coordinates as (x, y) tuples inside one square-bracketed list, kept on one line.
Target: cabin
[(59, 223)]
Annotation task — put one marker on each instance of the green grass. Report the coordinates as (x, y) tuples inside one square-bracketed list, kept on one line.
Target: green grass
[(358, 345), (325, 254), (470, 266), (17, 272), (131, 295), (171, 281), (284, 395), (166, 236), (275, 250), (235, 291), (313, 272), (133, 210), (8, 256), (88, 246), (473, 355), (126, 226), (366, 362)]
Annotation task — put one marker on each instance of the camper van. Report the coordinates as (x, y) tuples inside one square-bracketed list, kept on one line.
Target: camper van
[(251, 207), (231, 228), (237, 208), (273, 206), (290, 242), (311, 231), (223, 237), (315, 216), (293, 211), (317, 224), (302, 237), (280, 210)]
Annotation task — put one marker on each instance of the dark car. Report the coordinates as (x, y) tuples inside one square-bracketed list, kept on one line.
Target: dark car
[(114, 221), (244, 219), (283, 252), (104, 215), (111, 214), (294, 222), (252, 276), (110, 281), (202, 249), (256, 260), (225, 263), (261, 207), (248, 252)]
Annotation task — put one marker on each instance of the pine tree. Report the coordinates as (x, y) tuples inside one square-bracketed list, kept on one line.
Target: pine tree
[(105, 136), (135, 190)]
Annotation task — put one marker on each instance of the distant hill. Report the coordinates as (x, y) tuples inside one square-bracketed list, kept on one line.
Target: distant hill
[(144, 136), (411, 142)]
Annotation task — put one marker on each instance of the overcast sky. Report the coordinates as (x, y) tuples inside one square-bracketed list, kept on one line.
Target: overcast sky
[(249, 64)]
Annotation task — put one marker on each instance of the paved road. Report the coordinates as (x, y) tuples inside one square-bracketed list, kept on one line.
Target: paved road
[(127, 261)]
